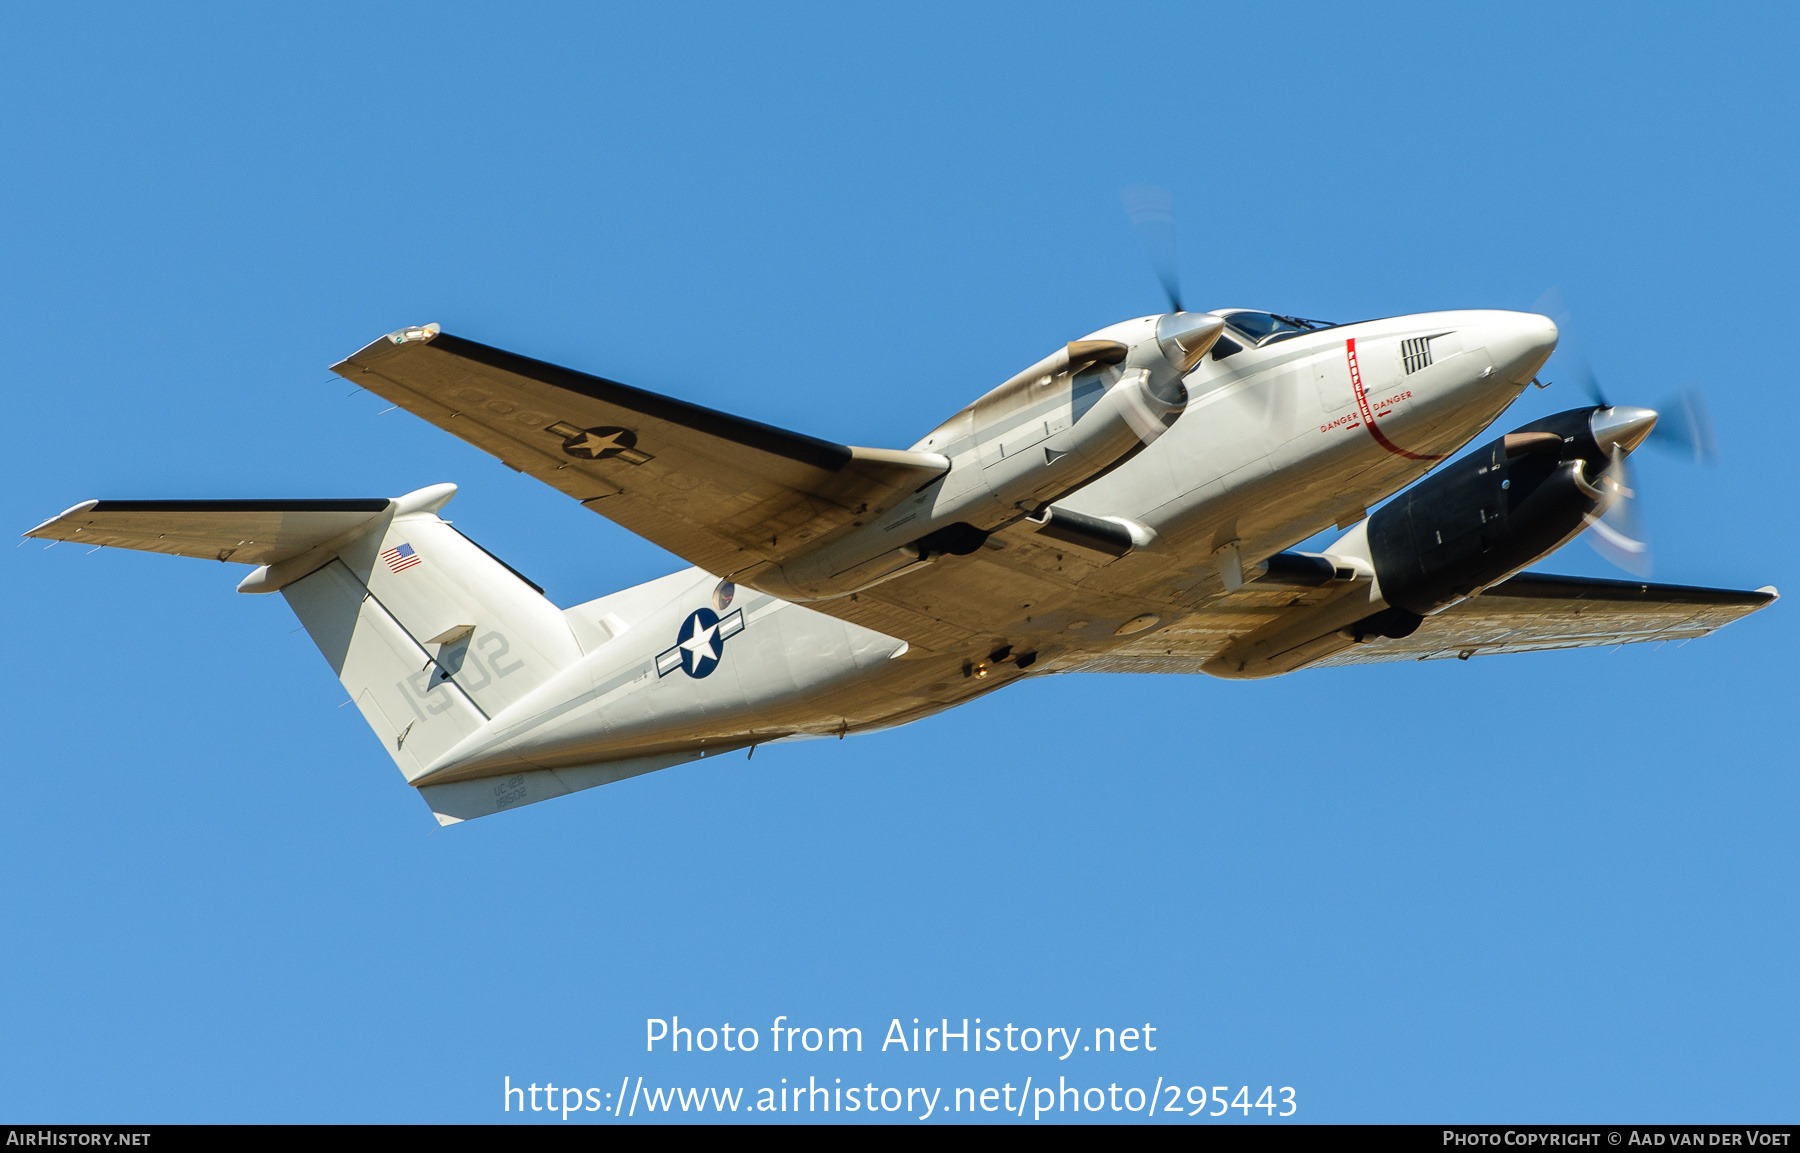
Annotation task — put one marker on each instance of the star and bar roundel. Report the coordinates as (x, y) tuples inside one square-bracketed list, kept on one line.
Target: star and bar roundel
[(601, 443), (700, 644)]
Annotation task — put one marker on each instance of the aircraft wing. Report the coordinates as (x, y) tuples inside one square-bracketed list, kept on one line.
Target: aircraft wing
[(720, 491), (246, 531), (1534, 611), (1525, 613)]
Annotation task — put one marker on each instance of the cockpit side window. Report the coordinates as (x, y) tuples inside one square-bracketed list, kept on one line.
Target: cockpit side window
[(1267, 327)]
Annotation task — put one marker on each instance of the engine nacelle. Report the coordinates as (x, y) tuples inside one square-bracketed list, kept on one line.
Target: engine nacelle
[(1086, 408), (1493, 512), (1066, 419), (1473, 523)]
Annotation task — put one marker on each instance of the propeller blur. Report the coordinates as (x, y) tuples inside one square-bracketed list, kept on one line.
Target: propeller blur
[(1683, 428)]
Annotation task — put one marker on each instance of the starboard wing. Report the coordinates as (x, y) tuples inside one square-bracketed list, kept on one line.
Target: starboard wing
[(1530, 612), (1525, 613)]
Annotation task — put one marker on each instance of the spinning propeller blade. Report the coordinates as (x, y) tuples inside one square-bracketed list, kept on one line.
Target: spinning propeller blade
[(1152, 212), (1617, 534), (1686, 427), (1683, 426), (1551, 304)]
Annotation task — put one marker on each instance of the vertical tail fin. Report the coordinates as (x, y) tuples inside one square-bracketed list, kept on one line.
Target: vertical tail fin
[(430, 634)]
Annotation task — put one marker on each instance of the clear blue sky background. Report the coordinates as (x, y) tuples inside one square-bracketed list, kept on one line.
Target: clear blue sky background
[(1556, 887)]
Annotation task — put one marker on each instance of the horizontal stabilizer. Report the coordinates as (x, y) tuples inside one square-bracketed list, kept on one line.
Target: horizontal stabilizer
[(253, 532)]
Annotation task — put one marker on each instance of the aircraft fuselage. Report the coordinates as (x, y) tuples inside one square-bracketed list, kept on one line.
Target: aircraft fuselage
[(1279, 440)]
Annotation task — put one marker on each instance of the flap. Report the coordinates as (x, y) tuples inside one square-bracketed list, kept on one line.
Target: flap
[(253, 532), (718, 490)]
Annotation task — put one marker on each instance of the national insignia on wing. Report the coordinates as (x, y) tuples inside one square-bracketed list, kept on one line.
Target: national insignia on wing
[(601, 443)]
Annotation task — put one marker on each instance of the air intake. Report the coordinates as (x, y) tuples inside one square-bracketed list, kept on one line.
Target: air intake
[(1415, 354)]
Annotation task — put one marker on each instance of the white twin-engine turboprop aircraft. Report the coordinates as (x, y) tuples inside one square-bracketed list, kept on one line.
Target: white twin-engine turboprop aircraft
[(1120, 506)]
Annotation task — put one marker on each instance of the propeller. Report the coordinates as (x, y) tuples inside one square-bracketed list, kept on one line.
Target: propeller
[(1683, 427), (1618, 533), (1152, 212), (1686, 427)]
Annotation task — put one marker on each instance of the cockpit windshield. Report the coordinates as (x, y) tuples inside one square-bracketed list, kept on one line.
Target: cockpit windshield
[(1268, 327)]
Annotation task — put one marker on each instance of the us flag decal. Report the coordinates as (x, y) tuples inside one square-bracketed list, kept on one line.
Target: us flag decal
[(401, 557)]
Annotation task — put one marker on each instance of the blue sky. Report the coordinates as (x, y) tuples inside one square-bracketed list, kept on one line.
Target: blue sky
[(1556, 887)]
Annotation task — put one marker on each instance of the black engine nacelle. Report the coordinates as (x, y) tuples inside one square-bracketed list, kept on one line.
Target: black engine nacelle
[(1488, 514)]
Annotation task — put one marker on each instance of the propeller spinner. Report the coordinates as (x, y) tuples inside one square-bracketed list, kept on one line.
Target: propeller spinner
[(1616, 533), (1183, 336)]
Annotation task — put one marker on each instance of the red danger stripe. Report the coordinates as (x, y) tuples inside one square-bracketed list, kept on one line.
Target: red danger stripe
[(1362, 404)]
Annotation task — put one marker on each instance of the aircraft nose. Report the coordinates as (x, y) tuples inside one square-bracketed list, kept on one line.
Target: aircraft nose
[(1540, 332), (1621, 426), (1522, 343)]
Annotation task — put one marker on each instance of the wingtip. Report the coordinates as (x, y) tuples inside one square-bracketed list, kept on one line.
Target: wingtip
[(80, 508), (418, 332), (1773, 593)]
